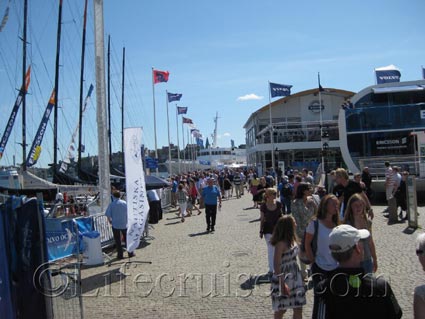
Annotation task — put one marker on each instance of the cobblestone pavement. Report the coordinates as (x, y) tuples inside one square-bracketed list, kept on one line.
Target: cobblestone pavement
[(198, 275)]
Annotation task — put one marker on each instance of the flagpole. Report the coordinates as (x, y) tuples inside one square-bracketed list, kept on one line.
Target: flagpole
[(321, 128), (169, 144), (271, 132), (178, 140), (184, 151), (154, 117), (190, 152)]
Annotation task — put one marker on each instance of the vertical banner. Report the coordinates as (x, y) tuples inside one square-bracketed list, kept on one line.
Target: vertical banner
[(137, 201), (35, 151)]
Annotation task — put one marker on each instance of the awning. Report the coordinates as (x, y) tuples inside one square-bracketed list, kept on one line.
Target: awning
[(395, 89)]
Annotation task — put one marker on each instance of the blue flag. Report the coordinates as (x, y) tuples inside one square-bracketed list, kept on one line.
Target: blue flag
[(174, 97), (388, 74), (181, 110), (423, 73), (200, 142), (279, 89)]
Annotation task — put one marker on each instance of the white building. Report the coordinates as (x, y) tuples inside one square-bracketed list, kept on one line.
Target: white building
[(296, 126)]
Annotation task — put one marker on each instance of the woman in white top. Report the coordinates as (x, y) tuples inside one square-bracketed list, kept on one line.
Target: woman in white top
[(326, 218)]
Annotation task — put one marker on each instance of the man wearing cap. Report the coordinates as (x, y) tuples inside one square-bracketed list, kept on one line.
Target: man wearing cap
[(211, 194), (348, 292)]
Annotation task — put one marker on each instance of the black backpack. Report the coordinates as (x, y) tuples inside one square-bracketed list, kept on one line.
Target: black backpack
[(287, 191)]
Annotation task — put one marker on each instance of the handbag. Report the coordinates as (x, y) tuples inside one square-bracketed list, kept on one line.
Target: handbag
[(302, 254)]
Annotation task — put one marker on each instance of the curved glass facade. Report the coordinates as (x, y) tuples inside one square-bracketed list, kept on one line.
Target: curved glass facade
[(383, 126)]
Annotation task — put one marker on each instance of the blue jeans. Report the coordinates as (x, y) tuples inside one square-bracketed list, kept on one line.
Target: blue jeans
[(286, 202)]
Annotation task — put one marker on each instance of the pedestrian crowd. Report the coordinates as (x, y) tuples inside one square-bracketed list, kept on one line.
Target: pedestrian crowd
[(317, 237)]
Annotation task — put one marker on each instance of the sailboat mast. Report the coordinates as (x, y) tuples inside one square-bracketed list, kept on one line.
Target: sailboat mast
[(24, 69), (122, 103), (215, 130), (80, 119), (101, 116), (109, 99), (55, 113)]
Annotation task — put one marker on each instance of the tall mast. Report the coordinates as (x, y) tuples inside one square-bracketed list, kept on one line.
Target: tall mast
[(55, 115), (122, 103), (215, 130), (80, 120), (24, 67), (101, 115), (109, 99)]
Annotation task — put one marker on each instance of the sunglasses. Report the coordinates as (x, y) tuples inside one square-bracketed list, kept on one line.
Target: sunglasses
[(419, 252)]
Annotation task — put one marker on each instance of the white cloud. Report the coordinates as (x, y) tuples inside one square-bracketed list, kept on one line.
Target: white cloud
[(249, 97), (227, 134)]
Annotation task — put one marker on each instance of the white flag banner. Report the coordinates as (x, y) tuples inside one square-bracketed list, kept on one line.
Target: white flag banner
[(137, 201)]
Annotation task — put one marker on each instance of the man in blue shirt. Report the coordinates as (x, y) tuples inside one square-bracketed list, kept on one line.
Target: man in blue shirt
[(210, 194), (117, 216), (174, 191)]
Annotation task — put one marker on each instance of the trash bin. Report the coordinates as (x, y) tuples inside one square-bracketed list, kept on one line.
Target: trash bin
[(93, 250)]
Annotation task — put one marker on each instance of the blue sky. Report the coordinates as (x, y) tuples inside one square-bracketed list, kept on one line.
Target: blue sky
[(215, 51)]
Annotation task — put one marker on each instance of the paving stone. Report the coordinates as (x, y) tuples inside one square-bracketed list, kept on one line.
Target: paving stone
[(198, 275)]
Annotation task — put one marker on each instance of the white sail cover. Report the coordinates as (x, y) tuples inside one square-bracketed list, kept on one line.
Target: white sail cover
[(137, 201), (101, 114)]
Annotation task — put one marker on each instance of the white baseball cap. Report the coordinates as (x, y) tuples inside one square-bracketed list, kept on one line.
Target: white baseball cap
[(344, 237)]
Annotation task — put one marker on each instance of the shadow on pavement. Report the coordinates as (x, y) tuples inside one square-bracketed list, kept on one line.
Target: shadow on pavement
[(173, 223), (101, 280), (409, 230), (251, 282), (172, 218), (249, 208), (198, 234), (255, 220)]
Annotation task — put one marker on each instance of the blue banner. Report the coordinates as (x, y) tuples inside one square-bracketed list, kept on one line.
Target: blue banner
[(387, 76), (423, 73), (279, 89), (15, 110), (61, 238), (35, 150), (151, 163), (200, 142), (174, 97)]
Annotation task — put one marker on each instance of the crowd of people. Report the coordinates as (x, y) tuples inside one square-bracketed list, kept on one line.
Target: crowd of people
[(317, 237)]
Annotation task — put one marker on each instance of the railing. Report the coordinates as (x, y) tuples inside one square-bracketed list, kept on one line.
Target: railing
[(166, 198), (102, 225), (377, 168)]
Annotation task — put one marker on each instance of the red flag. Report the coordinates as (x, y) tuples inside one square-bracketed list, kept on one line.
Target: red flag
[(187, 120), (160, 76)]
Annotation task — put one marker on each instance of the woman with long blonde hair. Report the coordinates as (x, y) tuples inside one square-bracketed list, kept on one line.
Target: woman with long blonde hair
[(356, 216), (288, 291)]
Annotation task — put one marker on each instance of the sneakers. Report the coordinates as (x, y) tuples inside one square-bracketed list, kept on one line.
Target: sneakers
[(212, 229), (208, 230), (131, 255)]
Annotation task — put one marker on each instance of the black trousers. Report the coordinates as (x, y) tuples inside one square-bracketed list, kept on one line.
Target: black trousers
[(210, 215), (318, 274), (117, 237)]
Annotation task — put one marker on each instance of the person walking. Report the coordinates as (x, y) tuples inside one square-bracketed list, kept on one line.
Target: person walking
[(117, 217), (286, 190), (237, 182), (303, 209), (193, 195), (349, 292), (271, 211), (356, 216), (326, 219), (227, 186), (211, 194), (182, 198), (287, 286)]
